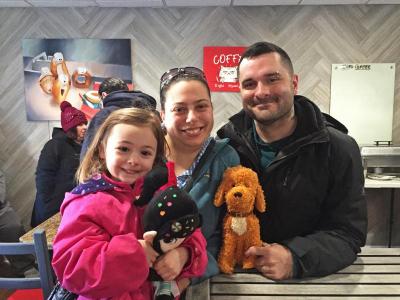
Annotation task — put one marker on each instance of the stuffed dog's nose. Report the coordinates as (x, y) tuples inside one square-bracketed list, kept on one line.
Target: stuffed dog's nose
[(237, 194)]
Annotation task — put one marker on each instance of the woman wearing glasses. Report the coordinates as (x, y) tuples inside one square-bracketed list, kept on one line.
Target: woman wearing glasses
[(200, 160)]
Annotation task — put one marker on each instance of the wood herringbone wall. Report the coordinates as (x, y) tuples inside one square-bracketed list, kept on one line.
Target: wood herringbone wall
[(314, 36)]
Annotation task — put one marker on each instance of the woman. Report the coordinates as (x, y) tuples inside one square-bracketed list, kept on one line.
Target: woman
[(58, 163), (200, 160)]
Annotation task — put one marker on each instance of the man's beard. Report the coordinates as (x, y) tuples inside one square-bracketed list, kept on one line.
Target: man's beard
[(271, 117)]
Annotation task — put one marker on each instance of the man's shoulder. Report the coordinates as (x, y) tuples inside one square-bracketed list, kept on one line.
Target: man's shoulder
[(337, 136), (104, 112), (342, 144), (238, 123), (100, 116)]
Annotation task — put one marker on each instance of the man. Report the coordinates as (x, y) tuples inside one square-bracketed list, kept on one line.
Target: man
[(115, 94), (310, 170), (110, 85), (10, 231)]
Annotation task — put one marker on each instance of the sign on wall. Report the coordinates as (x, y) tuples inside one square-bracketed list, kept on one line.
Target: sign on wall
[(70, 69), (220, 67), (362, 98)]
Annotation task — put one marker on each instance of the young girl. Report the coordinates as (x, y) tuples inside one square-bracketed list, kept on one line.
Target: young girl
[(99, 252)]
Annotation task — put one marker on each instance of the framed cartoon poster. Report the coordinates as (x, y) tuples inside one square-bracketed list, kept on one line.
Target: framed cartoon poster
[(70, 69), (220, 67)]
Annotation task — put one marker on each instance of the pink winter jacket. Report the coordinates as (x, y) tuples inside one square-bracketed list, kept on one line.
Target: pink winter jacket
[(96, 250)]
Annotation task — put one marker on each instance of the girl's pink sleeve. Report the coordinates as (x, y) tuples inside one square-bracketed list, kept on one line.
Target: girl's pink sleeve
[(197, 263), (89, 261)]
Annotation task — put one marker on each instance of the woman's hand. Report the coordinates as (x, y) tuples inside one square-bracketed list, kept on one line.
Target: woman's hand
[(151, 254), (170, 264)]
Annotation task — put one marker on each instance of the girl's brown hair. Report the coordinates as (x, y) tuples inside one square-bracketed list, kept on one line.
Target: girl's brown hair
[(92, 163)]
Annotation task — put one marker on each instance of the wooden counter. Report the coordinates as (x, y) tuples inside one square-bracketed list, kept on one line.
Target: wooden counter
[(50, 226), (374, 275)]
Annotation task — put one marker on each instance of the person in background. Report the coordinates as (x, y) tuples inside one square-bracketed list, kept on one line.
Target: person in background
[(58, 162), (309, 168), (10, 231), (111, 84), (99, 250), (115, 95), (200, 160)]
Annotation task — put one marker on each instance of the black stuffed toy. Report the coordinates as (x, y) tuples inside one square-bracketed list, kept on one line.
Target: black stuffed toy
[(155, 179), (171, 215)]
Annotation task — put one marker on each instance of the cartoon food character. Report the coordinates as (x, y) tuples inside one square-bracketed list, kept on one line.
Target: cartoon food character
[(62, 82), (46, 80), (81, 78)]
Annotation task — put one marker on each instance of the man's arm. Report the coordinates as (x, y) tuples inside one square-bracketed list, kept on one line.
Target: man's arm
[(341, 229)]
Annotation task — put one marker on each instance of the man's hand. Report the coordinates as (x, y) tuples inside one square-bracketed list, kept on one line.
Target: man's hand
[(183, 283), (272, 260), (170, 265)]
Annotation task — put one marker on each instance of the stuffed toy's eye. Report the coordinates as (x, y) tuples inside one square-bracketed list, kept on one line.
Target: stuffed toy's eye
[(169, 240), (176, 227)]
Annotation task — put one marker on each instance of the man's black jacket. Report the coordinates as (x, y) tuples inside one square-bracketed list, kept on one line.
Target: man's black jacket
[(314, 189)]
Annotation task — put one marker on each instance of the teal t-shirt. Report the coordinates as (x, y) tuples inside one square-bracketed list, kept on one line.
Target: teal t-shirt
[(268, 151)]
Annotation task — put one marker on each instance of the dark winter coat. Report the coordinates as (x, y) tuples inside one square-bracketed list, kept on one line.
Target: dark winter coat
[(55, 173), (314, 189), (114, 101)]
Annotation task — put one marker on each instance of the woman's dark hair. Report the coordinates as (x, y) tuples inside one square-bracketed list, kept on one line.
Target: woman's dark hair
[(175, 75), (72, 133)]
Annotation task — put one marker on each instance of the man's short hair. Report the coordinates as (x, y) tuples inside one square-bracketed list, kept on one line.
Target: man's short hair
[(261, 48), (112, 84)]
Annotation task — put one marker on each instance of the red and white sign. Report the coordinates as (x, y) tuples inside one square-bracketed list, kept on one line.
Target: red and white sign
[(220, 67)]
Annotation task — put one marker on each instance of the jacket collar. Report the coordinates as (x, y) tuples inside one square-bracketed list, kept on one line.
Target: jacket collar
[(311, 129), (311, 125), (102, 182), (129, 99)]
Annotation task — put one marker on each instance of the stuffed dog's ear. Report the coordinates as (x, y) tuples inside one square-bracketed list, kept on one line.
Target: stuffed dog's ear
[(219, 197), (260, 199)]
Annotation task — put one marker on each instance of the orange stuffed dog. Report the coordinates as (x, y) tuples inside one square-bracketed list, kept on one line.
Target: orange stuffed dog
[(241, 191)]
